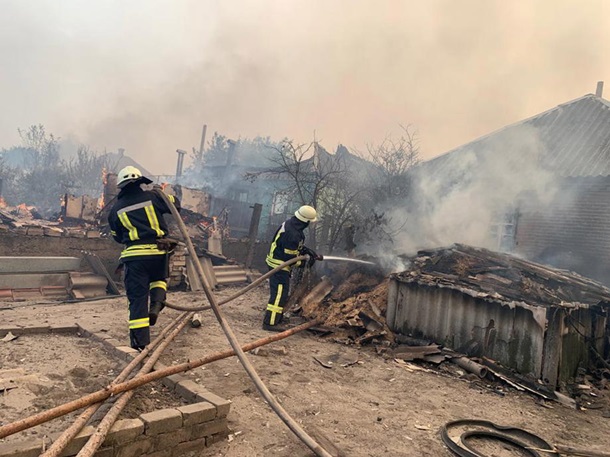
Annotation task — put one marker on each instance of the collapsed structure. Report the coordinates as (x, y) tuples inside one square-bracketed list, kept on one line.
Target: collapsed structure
[(541, 321)]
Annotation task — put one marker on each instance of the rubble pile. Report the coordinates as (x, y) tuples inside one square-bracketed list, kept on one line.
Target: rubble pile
[(25, 220)]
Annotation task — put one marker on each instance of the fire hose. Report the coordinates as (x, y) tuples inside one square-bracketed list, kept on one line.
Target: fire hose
[(248, 367), (241, 291), (119, 387), (455, 435)]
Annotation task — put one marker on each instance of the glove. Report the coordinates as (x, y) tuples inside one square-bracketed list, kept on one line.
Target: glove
[(167, 244), (312, 255)]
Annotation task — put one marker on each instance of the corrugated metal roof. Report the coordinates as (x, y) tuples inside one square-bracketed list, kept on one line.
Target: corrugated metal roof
[(502, 278), (572, 139)]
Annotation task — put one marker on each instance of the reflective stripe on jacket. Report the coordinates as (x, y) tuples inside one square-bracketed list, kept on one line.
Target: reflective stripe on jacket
[(136, 220), (287, 242)]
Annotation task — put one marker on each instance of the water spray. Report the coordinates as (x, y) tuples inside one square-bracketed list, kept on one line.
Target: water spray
[(346, 259)]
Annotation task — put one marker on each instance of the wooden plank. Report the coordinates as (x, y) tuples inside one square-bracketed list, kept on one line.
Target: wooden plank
[(552, 346), (414, 352)]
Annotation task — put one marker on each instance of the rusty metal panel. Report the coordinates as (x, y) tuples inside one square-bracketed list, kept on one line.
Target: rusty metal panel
[(509, 334)]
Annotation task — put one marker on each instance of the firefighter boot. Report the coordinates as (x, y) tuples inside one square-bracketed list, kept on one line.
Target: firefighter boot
[(155, 309), (281, 322)]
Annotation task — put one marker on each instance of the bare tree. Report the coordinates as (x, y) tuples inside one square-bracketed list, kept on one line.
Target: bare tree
[(393, 159), (42, 149), (308, 175), (43, 179), (388, 185)]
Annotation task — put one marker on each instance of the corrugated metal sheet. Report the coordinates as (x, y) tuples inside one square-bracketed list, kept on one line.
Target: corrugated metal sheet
[(572, 139), (510, 335)]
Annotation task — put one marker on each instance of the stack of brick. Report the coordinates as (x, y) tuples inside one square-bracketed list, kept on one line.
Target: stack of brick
[(166, 432), (177, 267)]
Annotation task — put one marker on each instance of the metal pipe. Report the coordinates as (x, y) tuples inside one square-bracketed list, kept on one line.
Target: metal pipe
[(262, 388), (101, 395), (470, 366)]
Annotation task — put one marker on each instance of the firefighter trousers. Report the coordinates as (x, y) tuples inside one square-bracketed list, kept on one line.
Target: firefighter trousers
[(144, 279), (279, 285)]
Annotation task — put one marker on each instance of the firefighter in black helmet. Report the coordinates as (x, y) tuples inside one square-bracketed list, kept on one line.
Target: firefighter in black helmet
[(136, 220), (287, 244)]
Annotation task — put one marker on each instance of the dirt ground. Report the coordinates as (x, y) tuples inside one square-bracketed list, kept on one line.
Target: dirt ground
[(365, 404)]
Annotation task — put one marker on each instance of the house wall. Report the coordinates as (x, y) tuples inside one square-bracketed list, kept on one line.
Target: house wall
[(17, 244), (572, 231)]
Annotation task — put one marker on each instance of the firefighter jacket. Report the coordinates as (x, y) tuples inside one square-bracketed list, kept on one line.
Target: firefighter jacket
[(136, 220), (287, 242)]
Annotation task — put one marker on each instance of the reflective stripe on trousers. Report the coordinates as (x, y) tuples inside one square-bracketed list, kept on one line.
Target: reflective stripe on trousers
[(279, 285), (140, 276)]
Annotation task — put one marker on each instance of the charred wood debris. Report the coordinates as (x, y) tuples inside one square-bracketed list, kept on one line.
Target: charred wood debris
[(351, 301)]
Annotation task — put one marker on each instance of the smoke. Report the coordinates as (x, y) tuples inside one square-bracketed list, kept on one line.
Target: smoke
[(459, 197), (145, 75)]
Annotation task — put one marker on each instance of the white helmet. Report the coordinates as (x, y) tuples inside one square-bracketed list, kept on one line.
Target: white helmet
[(130, 174), (306, 213)]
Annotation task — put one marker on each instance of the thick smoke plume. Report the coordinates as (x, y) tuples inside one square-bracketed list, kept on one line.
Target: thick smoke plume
[(145, 75), (459, 197)]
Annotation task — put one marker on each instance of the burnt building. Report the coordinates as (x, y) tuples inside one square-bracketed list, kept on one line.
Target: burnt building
[(541, 187), (541, 321)]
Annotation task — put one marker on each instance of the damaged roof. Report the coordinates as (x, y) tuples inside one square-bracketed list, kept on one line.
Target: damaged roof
[(572, 140), (500, 277)]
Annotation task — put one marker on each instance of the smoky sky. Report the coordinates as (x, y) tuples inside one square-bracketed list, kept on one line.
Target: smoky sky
[(144, 75)]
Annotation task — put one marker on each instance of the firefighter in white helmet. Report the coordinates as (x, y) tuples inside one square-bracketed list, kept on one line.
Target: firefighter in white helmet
[(136, 221), (288, 242)]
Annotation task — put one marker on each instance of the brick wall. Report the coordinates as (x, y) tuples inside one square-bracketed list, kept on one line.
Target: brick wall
[(572, 231)]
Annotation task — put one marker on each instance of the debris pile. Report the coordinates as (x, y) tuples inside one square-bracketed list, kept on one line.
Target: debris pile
[(25, 220), (485, 274), (351, 300), (493, 297)]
